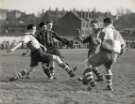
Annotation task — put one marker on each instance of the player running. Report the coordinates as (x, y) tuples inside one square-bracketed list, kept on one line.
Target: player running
[(112, 45), (46, 37), (37, 54), (94, 44)]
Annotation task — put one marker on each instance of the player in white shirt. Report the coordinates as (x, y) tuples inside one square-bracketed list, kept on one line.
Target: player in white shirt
[(112, 44), (38, 54)]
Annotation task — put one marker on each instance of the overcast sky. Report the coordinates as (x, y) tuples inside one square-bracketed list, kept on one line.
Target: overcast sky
[(34, 6)]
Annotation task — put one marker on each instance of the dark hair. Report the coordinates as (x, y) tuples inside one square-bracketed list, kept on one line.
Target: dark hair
[(41, 24), (107, 20), (30, 26), (94, 21), (49, 21)]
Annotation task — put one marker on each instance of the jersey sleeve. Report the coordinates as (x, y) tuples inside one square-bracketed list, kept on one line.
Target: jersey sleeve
[(63, 40), (26, 39)]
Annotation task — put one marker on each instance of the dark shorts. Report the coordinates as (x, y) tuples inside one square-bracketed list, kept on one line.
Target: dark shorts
[(91, 53), (103, 58), (40, 56), (54, 51), (93, 50)]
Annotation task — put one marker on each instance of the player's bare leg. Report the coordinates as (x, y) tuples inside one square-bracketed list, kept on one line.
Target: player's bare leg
[(61, 64)]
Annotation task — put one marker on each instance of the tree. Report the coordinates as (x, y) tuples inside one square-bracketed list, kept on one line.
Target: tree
[(122, 11)]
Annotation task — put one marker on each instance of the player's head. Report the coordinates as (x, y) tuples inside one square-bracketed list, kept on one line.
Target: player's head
[(42, 26), (31, 28), (107, 21), (94, 24), (49, 24)]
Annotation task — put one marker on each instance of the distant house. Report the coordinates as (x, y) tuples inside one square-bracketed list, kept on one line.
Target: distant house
[(3, 14), (17, 21), (71, 24), (52, 14), (14, 14), (3, 17), (126, 21)]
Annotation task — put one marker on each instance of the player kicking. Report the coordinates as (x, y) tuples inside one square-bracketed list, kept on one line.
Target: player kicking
[(112, 44), (46, 37), (37, 54)]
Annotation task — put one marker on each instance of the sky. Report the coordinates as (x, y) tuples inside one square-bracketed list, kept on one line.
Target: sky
[(34, 6)]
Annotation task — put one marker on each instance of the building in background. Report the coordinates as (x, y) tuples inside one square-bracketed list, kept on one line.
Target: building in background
[(71, 25), (76, 22), (67, 23), (52, 14), (3, 17)]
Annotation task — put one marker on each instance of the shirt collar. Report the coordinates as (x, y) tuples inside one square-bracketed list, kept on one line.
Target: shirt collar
[(110, 26)]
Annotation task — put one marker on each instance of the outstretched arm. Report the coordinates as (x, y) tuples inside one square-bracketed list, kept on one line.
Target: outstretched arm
[(84, 39), (63, 40), (24, 40), (16, 47)]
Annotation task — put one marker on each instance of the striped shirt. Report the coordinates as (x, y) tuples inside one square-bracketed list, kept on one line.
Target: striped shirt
[(47, 38)]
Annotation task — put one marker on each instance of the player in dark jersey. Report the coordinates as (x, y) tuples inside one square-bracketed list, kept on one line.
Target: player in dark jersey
[(37, 55), (46, 37), (94, 44)]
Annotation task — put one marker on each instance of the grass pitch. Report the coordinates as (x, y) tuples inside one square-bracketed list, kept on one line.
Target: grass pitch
[(64, 90)]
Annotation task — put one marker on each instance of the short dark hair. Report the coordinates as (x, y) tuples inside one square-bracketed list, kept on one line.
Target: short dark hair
[(30, 26), (49, 21), (41, 24), (107, 20), (94, 21)]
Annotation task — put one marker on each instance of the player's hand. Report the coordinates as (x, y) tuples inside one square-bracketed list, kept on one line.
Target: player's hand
[(122, 51), (79, 38), (44, 49), (70, 44)]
